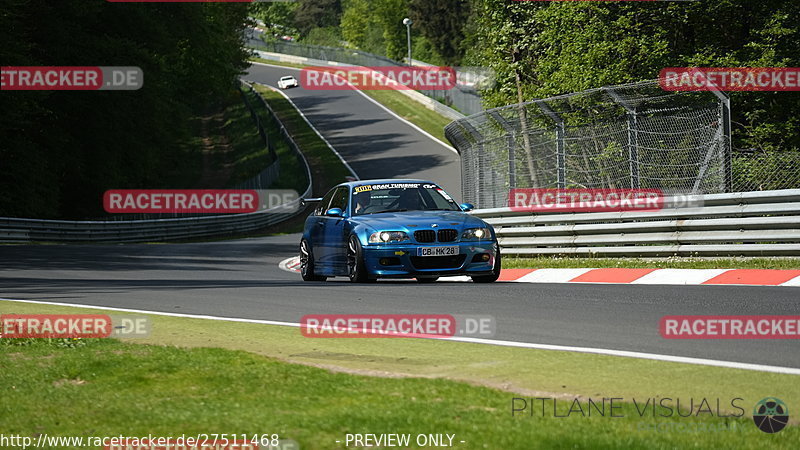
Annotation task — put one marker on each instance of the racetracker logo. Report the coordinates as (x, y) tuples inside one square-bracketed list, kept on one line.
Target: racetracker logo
[(183, 443), (73, 326), (189, 201), (730, 327), (730, 79), (585, 200), (71, 78), (378, 78), (395, 325)]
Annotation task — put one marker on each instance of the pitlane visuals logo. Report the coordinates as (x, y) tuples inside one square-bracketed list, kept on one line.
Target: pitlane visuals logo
[(771, 415)]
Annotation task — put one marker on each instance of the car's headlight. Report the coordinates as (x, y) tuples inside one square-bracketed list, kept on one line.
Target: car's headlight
[(383, 237), (476, 233)]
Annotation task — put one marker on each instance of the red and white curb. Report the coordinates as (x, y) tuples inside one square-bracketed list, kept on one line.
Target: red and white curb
[(746, 277), (741, 277), (290, 264)]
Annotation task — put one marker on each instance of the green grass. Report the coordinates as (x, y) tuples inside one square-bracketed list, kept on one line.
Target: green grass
[(656, 263), (278, 63), (292, 174), (250, 156), (429, 120), (327, 168), (424, 386), (107, 388)]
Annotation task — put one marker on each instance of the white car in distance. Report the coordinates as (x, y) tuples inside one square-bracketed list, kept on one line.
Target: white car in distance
[(287, 82)]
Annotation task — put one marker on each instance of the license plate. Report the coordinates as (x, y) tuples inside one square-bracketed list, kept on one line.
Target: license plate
[(437, 251)]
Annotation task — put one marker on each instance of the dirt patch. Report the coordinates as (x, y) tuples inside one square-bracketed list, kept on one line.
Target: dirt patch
[(72, 382)]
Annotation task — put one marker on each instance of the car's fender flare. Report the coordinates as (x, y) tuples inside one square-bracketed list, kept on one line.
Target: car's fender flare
[(362, 232)]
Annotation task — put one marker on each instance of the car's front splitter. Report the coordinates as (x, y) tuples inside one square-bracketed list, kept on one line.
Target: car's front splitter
[(403, 260)]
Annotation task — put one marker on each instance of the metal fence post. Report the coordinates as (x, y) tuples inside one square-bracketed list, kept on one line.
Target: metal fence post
[(726, 141), (511, 142), (633, 136), (477, 176), (561, 158)]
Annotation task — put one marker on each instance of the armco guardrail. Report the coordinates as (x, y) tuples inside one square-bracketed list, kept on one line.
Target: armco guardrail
[(765, 223), (36, 230)]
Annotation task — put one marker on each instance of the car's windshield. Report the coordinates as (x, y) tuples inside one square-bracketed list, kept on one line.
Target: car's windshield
[(395, 197), (287, 78)]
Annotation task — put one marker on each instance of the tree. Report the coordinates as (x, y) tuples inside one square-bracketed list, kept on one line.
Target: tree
[(311, 14), (62, 150), (541, 49), (442, 22)]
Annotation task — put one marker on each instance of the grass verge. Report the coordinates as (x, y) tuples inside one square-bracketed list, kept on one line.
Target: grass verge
[(110, 386), (249, 156), (655, 263), (292, 174), (106, 386)]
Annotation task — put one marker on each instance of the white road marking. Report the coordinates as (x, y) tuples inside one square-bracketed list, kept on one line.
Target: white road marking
[(793, 282), (552, 275), (563, 348), (444, 144), (353, 172), (679, 276)]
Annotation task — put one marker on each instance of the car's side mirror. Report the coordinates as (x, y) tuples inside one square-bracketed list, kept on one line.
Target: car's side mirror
[(334, 212), (467, 207), (306, 201)]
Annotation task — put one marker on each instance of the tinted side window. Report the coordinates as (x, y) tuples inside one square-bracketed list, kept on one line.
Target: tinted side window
[(323, 204), (339, 199)]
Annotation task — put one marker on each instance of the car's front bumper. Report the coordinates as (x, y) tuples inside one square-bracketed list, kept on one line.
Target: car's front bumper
[(404, 262)]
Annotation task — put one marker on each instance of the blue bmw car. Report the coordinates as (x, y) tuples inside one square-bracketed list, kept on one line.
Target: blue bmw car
[(373, 229)]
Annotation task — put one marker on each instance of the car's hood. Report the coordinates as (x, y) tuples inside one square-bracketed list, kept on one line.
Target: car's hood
[(416, 220)]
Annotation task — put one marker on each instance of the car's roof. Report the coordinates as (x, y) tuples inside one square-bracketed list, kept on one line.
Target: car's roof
[(385, 181), (287, 76)]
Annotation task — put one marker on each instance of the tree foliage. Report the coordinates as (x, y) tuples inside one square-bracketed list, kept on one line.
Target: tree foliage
[(443, 23), (60, 150), (311, 14), (560, 47)]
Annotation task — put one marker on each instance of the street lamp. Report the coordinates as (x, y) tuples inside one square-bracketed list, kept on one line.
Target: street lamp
[(407, 22)]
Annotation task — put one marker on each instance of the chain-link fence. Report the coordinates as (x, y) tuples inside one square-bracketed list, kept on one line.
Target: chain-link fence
[(628, 136), (463, 97)]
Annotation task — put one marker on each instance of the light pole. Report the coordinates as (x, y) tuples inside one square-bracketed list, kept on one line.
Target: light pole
[(407, 22)]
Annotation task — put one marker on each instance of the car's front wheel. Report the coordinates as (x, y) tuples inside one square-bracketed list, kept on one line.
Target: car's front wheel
[(307, 263), (356, 269), (498, 263)]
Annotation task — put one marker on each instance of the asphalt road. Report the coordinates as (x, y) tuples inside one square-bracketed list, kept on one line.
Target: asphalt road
[(241, 279), (375, 143)]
